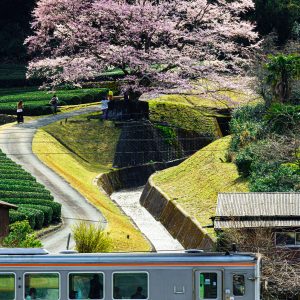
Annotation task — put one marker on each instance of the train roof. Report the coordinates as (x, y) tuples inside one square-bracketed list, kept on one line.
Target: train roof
[(42, 256)]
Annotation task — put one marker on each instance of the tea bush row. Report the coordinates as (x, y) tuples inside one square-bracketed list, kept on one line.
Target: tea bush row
[(56, 207), (34, 202)]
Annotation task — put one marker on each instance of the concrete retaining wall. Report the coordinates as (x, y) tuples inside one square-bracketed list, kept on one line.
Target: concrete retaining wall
[(184, 228), (132, 176)]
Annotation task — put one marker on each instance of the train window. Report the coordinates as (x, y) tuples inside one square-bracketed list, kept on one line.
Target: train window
[(208, 286), (285, 238), (130, 285), (43, 286), (238, 285), (7, 286), (86, 286), (298, 238)]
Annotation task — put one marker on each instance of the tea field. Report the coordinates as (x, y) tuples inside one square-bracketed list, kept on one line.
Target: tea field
[(20, 188), (36, 102)]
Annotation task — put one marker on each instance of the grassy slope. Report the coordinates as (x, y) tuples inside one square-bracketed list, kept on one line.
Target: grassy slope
[(195, 183), (81, 177), (92, 141), (183, 115)]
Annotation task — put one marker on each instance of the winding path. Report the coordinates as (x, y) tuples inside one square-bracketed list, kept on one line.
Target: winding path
[(16, 142)]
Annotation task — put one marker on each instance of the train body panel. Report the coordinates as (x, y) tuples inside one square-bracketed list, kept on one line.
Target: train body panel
[(168, 276)]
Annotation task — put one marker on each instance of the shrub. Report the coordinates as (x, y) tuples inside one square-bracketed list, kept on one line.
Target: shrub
[(20, 187), (273, 178), (91, 238), (23, 194), (56, 207), (244, 160), (21, 235), (47, 210), (283, 118), (33, 213), (15, 216)]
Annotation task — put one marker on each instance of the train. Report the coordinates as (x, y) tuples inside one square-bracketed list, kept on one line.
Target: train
[(27, 274)]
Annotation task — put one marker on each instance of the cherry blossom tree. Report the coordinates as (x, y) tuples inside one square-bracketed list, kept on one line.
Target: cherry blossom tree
[(158, 44)]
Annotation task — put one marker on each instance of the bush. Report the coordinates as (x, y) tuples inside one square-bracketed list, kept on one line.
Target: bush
[(21, 235), (244, 160), (20, 187), (30, 216), (272, 178), (247, 125), (15, 216), (56, 207), (38, 215), (283, 118), (90, 238), (47, 210), (23, 194)]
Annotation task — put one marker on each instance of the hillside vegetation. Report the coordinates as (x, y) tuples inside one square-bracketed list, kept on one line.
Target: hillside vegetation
[(80, 171), (20, 188), (196, 182), (92, 140), (36, 102)]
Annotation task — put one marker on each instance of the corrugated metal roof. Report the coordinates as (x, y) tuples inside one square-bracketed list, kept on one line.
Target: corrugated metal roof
[(219, 224), (237, 210), (8, 205)]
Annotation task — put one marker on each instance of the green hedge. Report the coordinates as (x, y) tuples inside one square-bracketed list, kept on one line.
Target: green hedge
[(47, 210), (28, 188), (56, 207), (17, 194), (15, 216), (34, 214), (16, 176), (21, 182)]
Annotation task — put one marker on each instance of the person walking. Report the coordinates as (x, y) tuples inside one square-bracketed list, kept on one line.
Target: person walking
[(104, 107), (20, 116), (54, 103)]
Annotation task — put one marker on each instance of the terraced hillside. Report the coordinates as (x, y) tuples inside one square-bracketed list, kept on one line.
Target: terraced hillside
[(34, 202)]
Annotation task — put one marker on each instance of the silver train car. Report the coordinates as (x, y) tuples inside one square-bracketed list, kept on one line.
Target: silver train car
[(27, 274)]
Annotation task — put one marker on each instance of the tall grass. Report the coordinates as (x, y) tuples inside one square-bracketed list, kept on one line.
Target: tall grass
[(91, 238)]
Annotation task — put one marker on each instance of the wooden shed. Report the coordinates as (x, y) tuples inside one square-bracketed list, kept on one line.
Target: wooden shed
[(4, 217)]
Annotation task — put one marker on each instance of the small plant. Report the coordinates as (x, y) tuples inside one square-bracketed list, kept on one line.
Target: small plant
[(90, 238), (21, 235)]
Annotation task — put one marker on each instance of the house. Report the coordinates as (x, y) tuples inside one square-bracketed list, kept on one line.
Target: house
[(268, 223), (4, 217), (277, 211)]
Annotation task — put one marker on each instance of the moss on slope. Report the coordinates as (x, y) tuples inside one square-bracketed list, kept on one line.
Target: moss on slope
[(195, 183)]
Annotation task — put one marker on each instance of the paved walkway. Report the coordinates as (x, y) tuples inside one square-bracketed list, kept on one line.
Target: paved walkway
[(16, 142), (160, 238)]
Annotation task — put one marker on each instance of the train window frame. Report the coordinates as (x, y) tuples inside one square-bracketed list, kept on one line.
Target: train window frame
[(129, 272), (9, 273), (294, 245), (244, 284), (39, 272), (86, 272)]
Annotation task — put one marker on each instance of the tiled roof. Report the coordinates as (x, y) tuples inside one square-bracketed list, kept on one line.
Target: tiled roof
[(240, 210)]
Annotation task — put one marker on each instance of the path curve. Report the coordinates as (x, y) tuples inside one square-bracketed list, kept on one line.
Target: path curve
[(16, 142)]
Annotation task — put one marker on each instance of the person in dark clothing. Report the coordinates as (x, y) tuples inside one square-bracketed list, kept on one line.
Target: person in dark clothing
[(138, 294), (54, 103), (96, 288), (20, 116)]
